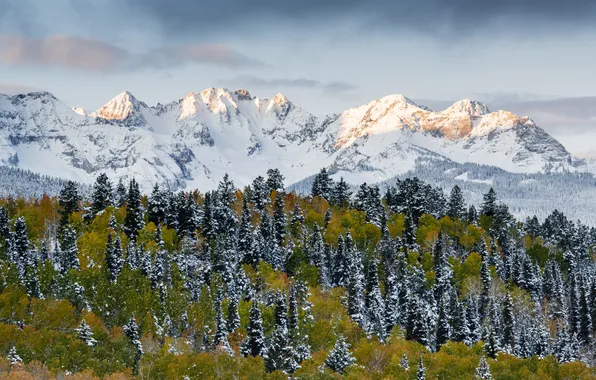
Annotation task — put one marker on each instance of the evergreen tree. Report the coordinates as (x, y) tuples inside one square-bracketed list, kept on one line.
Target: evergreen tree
[(131, 330), (233, 321), (392, 301), (134, 220), (114, 260), (417, 324), (157, 206), (421, 374), (443, 328), (254, 344), (4, 223), (472, 216), (456, 207), (275, 180), (85, 333), (13, 357), (280, 220), (69, 251), (489, 204), (280, 353), (340, 194), (102, 194), (483, 370), (340, 357), (508, 323), (374, 302), (69, 201), (322, 184), (245, 236), (121, 195), (260, 194), (404, 362), (220, 337)]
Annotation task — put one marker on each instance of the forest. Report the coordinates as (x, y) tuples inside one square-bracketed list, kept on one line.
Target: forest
[(264, 283)]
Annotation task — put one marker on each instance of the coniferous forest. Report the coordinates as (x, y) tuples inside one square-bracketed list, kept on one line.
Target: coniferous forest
[(253, 283)]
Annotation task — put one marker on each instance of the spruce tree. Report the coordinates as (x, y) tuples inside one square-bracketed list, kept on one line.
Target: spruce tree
[(456, 207), (421, 373), (254, 344), (483, 370), (102, 194), (280, 220), (4, 224), (489, 203), (233, 320), (322, 185), (340, 357), (508, 323), (114, 260), (85, 333), (443, 329), (403, 363), (375, 305), (134, 220), (121, 195), (275, 180), (69, 201), (340, 194), (69, 251), (157, 205), (131, 330)]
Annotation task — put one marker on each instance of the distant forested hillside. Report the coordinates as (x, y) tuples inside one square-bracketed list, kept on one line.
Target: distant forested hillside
[(407, 281)]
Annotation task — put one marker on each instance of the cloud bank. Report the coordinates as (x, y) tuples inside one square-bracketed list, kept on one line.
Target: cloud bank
[(95, 55)]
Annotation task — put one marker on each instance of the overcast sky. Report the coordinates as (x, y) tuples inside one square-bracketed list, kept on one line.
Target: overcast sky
[(533, 56)]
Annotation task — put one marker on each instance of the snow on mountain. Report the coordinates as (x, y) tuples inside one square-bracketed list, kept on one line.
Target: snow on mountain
[(194, 141)]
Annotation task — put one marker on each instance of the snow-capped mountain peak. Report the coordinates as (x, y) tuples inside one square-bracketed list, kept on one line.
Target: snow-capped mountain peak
[(194, 141), (120, 108), (469, 107)]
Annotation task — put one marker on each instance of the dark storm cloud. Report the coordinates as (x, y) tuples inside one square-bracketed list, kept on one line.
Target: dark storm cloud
[(188, 17), (253, 81), (93, 55), (456, 15)]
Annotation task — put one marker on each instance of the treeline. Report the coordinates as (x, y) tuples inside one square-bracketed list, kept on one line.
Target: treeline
[(260, 283)]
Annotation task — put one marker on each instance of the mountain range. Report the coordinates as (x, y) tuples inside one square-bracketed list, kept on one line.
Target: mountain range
[(192, 142)]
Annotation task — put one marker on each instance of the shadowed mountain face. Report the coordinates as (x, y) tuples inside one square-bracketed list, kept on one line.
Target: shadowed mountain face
[(192, 142)]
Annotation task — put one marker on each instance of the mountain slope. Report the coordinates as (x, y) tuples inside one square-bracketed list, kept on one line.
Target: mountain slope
[(192, 142)]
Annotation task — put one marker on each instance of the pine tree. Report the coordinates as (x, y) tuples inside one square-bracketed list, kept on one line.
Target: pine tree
[(102, 194), (20, 243), (374, 302), (280, 353), (13, 357), (340, 194), (392, 301), (491, 347), (417, 324), (4, 223), (340, 357), (483, 370), (157, 206), (508, 324), (134, 220), (131, 330), (220, 337), (85, 333), (421, 374), (260, 194), (69, 251), (322, 184), (245, 236), (280, 220), (275, 180), (443, 328), (233, 321), (254, 344), (456, 207), (121, 195), (69, 201), (355, 287), (114, 260), (340, 264), (404, 362), (489, 204)]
